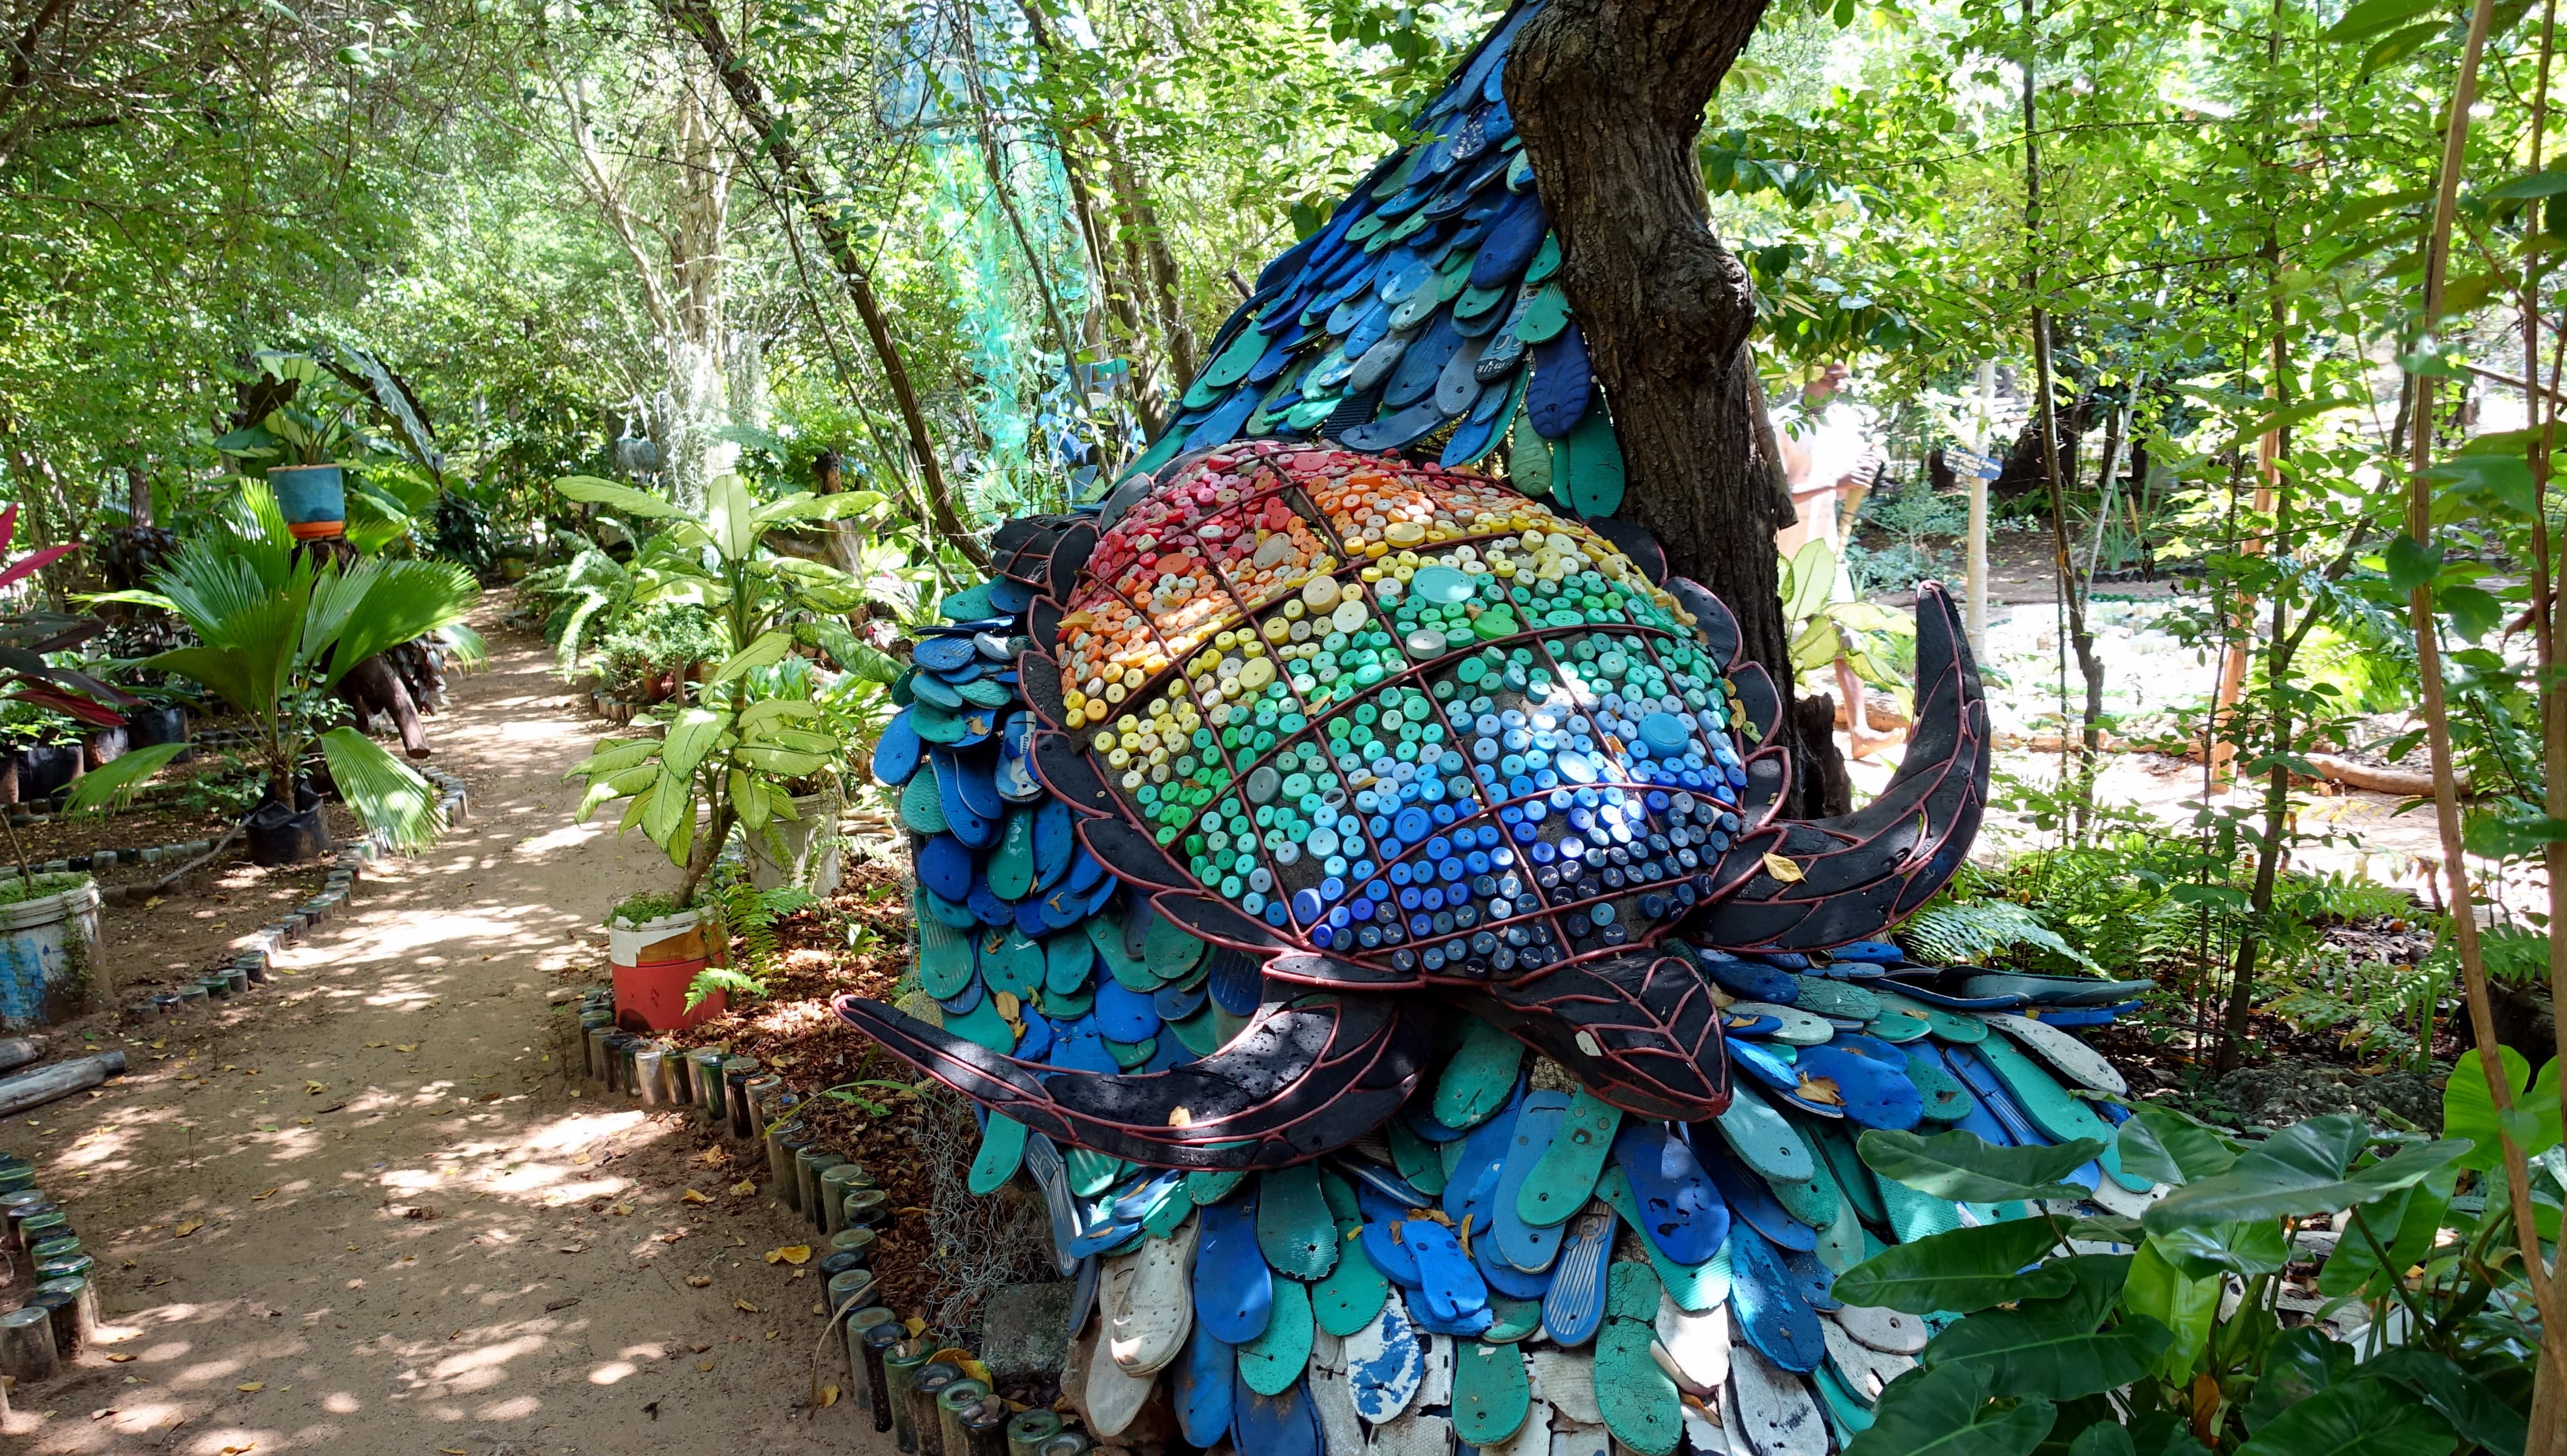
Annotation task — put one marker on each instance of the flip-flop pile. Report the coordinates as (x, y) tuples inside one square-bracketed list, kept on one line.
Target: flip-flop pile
[(1511, 1263), (1429, 302)]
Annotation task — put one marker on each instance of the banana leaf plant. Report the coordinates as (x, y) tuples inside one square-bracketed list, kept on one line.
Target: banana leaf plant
[(276, 630), (726, 761)]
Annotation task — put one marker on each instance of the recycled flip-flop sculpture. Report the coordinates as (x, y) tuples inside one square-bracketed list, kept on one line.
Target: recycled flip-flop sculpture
[(1269, 813)]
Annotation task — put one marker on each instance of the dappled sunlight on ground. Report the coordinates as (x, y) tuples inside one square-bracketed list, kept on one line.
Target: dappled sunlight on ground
[(365, 1210)]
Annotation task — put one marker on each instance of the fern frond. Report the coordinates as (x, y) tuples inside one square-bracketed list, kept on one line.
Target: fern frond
[(1968, 933)]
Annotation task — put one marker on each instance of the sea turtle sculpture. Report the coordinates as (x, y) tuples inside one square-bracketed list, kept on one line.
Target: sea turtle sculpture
[(1354, 891)]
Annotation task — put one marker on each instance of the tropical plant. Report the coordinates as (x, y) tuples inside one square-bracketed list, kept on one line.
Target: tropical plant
[(1832, 639), (276, 629), (726, 761), (2184, 1345)]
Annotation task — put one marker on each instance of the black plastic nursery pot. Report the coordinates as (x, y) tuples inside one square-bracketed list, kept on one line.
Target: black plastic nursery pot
[(46, 769), (147, 727), (280, 836)]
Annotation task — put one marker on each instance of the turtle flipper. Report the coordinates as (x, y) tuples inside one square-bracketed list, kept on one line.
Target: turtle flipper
[(1640, 1031), (1303, 1078)]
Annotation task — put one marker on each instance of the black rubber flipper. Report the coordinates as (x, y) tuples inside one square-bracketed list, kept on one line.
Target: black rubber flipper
[(1020, 550), (1858, 872), (1758, 702), (1711, 617), (1038, 676), (1213, 919), (1640, 1031), (1132, 856), (1068, 557), (1303, 1079), (1632, 539), (1324, 973), (1071, 775)]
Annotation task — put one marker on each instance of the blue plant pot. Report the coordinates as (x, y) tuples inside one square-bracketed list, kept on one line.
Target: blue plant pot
[(310, 495)]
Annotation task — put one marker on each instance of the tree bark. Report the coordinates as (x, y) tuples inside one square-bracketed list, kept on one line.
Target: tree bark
[(1610, 99)]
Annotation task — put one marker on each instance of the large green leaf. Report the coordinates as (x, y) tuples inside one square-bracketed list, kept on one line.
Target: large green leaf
[(731, 517), (1945, 1412), (1961, 1269), (2054, 1349), (2304, 1169), (692, 735), (2165, 1146), (2457, 1396), (2406, 1224), (2469, 1111), (115, 782), (2356, 1418), (1966, 1168), (386, 793), (2240, 1248), (769, 648), (2188, 1305), (625, 498), (2298, 1364)]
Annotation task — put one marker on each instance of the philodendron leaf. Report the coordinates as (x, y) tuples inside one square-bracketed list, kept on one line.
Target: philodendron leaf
[(1966, 1168), (2241, 1249), (2457, 1396), (2165, 1146), (2306, 1168), (1945, 1412), (2104, 1438), (2056, 1348), (623, 497), (2358, 1418), (2300, 1363), (1961, 1269), (2469, 1111)]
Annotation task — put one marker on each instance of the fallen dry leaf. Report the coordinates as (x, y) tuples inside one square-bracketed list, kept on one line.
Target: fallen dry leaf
[(1821, 1091), (250, 1388), (828, 1397), (745, 1306), (372, 1045), (743, 1188), (691, 1196), (262, 1197), (311, 1086), (120, 1359), (710, 1155), (622, 1209), (790, 1254), (1783, 869), (698, 1281), (240, 1450), (407, 1047), (913, 1324), (581, 1161), (704, 1364), (188, 1227)]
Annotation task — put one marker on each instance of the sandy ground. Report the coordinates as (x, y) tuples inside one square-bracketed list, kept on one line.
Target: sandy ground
[(363, 1210)]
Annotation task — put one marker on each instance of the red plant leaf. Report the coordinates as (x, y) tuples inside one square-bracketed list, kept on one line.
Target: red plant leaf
[(35, 561), (86, 712)]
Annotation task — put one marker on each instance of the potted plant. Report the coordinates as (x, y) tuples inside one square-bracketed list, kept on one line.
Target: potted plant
[(48, 947), (730, 760), (277, 629)]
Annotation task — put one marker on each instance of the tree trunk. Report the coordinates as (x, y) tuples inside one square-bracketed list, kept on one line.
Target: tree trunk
[(698, 19), (1610, 101)]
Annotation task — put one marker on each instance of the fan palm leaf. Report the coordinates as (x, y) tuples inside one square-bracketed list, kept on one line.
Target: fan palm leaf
[(386, 793)]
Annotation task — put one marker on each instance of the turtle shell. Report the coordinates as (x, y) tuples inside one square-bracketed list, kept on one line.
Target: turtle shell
[(1396, 716)]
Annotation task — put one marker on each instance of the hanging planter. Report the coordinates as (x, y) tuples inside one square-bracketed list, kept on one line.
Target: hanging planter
[(313, 497), (655, 955), (48, 942)]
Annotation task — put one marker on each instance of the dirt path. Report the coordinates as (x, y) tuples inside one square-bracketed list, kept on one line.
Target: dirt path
[(363, 1210)]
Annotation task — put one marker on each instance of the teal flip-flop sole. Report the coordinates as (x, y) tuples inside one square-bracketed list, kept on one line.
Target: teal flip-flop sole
[(1273, 1362), (1479, 1077), (1563, 1180), (1492, 1394), (1294, 1230), (1641, 1405), (1762, 1139), (1003, 1151)]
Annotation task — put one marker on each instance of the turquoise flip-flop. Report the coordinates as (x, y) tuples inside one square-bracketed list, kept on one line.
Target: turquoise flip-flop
[(1762, 1139), (1765, 1298), (1003, 1151), (1294, 1229), (1271, 1364), (1564, 1178), (1480, 1077), (1638, 1400), (1492, 1394)]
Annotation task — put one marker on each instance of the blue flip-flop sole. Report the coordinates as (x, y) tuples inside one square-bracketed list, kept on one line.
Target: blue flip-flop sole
[(1204, 1386), (1574, 1305), (1273, 1425), (1751, 1202), (1684, 1213), (1767, 1302), (1233, 1288)]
